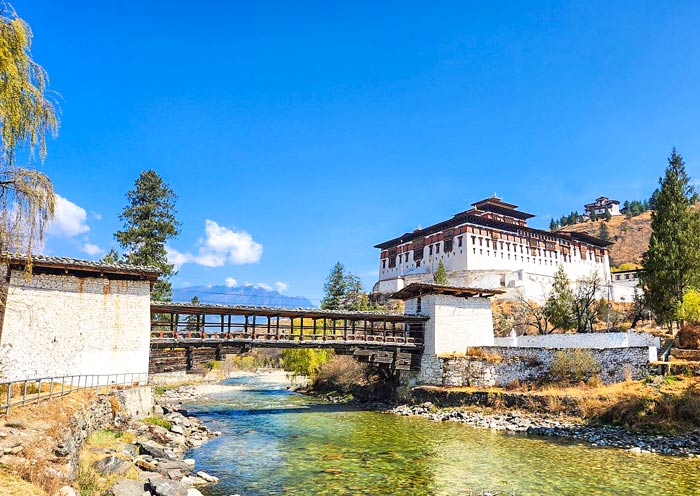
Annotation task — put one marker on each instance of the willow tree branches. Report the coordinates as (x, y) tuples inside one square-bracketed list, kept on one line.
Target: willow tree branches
[(27, 117)]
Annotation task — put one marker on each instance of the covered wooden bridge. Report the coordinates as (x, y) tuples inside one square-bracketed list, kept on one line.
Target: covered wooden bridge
[(184, 335)]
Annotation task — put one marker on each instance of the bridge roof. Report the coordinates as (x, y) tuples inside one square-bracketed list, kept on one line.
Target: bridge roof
[(204, 309), (417, 289)]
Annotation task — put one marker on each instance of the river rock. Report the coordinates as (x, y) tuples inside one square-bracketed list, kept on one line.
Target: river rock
[(177, 429), (112, 465), (193, 492), (207, 477), (126, 487), (153, 449), (166, 487), (67, 491)]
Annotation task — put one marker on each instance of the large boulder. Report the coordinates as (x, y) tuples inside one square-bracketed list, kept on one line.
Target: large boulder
[(167, 487), (112, 465), (128, 487)]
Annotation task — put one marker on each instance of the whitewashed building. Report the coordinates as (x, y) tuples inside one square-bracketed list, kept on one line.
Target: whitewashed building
[(625, 285), (490, 246), (72, 317), (601, 204)]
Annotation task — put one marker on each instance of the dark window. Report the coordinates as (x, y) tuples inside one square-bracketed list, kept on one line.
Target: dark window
[(437, 248), (459, 242), (430, 250)]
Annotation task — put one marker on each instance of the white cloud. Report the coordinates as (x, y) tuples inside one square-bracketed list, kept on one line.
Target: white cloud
[(281, 287), (175, 257), (231, 282), (69, 219), (221, 245), (266, 287), (91, 249)]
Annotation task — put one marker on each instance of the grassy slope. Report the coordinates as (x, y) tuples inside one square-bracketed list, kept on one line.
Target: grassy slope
[(630, 236)]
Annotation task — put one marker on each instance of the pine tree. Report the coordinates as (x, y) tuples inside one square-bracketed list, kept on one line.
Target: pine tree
[(149, 221), (672, 261), (607, 215), (558, 308), (603, 232), (334, 289), (593, 216), (553, 225), (355, 297), (440, 275)]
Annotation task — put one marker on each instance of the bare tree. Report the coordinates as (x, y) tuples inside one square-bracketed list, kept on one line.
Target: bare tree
[(584, 304), (529, 314)]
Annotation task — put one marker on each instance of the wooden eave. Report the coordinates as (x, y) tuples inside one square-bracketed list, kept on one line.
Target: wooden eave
[(417, 289)]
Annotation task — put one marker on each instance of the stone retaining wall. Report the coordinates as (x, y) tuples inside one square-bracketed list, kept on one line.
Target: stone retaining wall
[(99, 414), (500, 366)]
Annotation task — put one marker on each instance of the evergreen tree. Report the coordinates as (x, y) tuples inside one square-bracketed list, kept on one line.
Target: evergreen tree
[(603, 232), (553, 225), (149, 221), (191, 320), (440, 275), (558, 308), (607, 215), (593, 216), (672, 261), (355, 297), (334, 289), (653, 200)]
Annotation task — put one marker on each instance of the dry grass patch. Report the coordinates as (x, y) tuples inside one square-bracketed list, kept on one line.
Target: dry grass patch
[(89, 480), (12, 485)]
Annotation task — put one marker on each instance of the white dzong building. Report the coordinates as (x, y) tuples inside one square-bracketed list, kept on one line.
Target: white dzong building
[(491, 246)]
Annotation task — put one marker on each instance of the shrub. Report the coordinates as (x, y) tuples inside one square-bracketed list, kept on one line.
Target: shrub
[(305, 362), (485, 355), (341, 373), (573, 366), (688, 338)]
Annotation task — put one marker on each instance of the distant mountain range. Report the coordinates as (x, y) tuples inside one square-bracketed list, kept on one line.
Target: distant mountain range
[(240, 295)]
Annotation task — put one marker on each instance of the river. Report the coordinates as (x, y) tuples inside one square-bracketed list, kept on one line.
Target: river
[(279, 442)]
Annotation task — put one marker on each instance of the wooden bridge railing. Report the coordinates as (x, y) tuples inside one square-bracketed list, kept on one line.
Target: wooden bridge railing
[(185, 322)]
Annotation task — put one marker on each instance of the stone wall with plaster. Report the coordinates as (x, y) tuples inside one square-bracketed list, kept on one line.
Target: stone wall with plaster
[(462, 323), (501, 366), (66, 325)]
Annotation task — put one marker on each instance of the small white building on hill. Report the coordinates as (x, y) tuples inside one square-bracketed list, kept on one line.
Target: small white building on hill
[(73, 317), (603, 204)]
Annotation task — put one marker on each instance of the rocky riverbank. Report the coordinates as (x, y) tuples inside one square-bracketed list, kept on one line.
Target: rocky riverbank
[(155, 456), (558, 426)]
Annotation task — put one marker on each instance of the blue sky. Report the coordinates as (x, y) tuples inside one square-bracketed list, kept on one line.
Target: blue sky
[(298, 134)]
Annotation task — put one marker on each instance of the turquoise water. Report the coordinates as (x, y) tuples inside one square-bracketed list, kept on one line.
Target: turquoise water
[(279, 442)]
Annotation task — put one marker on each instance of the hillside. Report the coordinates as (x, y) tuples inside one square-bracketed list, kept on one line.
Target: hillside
[(630, 237), (240, 295)]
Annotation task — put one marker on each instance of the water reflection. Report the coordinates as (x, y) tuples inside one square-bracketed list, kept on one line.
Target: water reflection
[(278, 442)]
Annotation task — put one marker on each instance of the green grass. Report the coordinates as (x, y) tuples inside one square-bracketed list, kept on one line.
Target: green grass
[(158, 421)]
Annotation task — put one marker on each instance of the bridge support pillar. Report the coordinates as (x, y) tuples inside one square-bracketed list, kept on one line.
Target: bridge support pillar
[(460, 318)]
